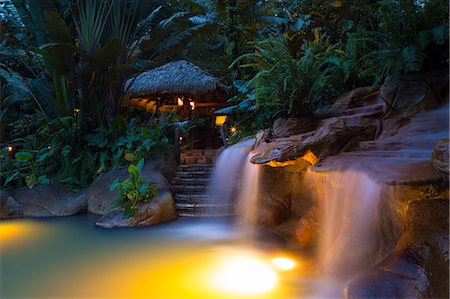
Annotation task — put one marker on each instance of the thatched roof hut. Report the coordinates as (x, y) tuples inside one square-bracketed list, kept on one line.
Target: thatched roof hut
[(183, 88), (178, 77)]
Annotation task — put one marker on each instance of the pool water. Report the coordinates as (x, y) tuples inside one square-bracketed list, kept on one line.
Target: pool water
[(190, 258)]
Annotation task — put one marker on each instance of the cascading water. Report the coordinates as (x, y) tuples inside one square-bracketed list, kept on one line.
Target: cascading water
[(348, 203), (226, 175), (235, 179), (247, 199)]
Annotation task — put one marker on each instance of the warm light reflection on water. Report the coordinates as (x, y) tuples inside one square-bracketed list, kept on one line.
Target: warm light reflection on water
[(17, 231), (174, 261)]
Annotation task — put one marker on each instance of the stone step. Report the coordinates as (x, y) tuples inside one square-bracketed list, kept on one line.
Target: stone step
[(197, 160), (205, 210), (201, 152), (190, 181), (193, 174), (205, 215), (192, 198), (188, 189), (195, 167)]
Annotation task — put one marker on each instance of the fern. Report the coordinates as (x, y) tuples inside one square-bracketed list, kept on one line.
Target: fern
[(405, 40), (286, 85)]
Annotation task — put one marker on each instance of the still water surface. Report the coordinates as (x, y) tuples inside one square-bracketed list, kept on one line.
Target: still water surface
[(189, 258)]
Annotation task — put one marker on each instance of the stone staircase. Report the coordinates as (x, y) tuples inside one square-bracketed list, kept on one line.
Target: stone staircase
[(190, 183)]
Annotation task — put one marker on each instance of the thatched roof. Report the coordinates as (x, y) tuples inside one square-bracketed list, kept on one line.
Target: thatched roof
[(178, 77)]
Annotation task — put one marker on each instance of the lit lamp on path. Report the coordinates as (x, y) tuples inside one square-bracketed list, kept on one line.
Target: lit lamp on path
[(220, 120)]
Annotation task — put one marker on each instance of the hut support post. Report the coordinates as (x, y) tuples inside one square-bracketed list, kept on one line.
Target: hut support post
[(222, 134), (177, 146)]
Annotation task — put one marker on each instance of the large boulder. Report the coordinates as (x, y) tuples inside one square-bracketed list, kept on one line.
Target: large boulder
[(9, 207), (291, 126), (100, 199), (335, 135), (418, 267), (159, 209), (50, 200), (362, 99), (409, 94)]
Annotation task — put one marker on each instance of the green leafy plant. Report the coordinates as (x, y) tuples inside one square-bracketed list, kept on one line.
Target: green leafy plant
[(32, 179), (290, 86), (404, 36), (133, 190)]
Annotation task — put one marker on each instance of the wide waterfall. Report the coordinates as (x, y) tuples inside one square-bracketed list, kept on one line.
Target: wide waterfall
[(348, 202)]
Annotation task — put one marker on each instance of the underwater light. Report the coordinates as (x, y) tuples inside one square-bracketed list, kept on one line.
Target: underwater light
[(283, 263), (244, 275)]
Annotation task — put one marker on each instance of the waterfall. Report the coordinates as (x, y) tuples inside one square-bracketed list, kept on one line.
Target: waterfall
[(226, 176), (247, 199), (235, 180), (348, 202)]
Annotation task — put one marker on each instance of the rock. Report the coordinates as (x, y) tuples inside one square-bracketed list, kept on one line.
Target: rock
[(348, 103), (307, 230), (403, 157), (333, 136), (440, 157), (263, 137), (285, 127), (159, 209), (418, 267), (409, 94), (100, 199), (9, 207), (50, 200)]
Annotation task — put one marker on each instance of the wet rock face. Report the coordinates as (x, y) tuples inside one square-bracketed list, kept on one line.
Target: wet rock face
[(100, 199), (50, 200), (278, 189), (159, 209), (418, 267)]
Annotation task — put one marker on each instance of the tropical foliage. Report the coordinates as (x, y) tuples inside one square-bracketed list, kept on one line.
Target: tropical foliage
[(133, 189), (63, 64), (54, 149)]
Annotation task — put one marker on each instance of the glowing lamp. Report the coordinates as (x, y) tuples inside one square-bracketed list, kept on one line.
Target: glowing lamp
[(192, 104), (283, 263), (180, 102), (10, 149), (233, 130), (244, 276), (220, 120), (310, 157), (76, 110)]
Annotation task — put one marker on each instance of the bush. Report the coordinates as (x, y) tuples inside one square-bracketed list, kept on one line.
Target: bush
[(56, 148)]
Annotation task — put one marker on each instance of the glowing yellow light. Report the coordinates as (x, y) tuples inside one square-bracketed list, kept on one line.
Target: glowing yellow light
[(192, 104), (283, 263), (220, 120), (233, 130), (244, 275), (337, 4), (76, 110), (10, 148), (180, 102), (310, 157)]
